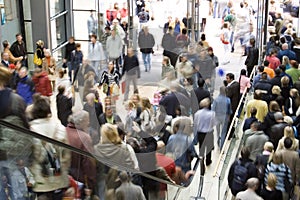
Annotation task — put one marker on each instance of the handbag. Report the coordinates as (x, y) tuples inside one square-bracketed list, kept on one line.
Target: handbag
[(36, 60), (115, 90), (105, 88)]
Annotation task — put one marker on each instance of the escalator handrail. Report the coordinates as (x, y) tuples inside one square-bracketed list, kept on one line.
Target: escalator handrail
[(28, 132)]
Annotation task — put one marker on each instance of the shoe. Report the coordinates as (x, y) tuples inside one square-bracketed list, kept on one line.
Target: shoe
[(208, 162), (146, 70), (232, 50)]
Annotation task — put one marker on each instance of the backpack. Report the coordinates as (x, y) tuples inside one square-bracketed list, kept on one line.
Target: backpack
[(240, 176)]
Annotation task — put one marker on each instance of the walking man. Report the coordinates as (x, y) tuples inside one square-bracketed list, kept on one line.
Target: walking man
[(146, 43), (132, 69)]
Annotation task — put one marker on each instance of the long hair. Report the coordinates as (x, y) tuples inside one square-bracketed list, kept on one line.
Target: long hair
[(109, 134)]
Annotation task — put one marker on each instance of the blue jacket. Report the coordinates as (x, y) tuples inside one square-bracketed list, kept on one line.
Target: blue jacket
[(25, 88)]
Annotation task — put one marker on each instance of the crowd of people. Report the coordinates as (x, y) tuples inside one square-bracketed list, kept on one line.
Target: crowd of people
[(157, 136)]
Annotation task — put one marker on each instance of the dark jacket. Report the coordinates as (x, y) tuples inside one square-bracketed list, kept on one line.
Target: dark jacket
[(4, 63), (131, 66), (172, 101), (277, 133), (102, 119), (266, 86), (76, 59), (269, 121), (69, 48), (64, 108), (82, 72), (25, 89), (94, 111), (251, 172), (18, 49), (252, 58), (248, 123), (146, 42), (233, 92), (276, 81)]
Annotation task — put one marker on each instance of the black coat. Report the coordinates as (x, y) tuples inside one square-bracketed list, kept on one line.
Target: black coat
[(102, 119), (252, 172), (172, 101), (64, 108), (233, 92)]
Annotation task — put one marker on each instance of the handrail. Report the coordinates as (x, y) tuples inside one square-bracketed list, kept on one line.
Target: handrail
[(222, 153), (84, 153)]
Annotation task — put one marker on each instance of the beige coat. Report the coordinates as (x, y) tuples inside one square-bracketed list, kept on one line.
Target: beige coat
[(291, 159)]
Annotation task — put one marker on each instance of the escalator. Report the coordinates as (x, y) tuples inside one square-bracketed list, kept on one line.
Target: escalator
[(17, 144)]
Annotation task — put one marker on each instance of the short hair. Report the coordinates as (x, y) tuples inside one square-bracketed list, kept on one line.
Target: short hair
[(252, 183), (274, 106), (61, 89), (277, 71), (288, 143), (205, 103), (77, 45), (123, 176), (78, 117), (203, 37), (261, 68), (266, 63), (223, 90), (184, 31), (269, 146), (201, 82), (264, 76), (107, 28), (94, 36), (253, 111), (245, 152), (230, 75), (18, 34), (41, 107)]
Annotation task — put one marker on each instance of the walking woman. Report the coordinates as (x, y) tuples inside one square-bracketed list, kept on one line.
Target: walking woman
[(110, 80)]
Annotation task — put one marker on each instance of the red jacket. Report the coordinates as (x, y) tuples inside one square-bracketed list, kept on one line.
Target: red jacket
[(42, 84)]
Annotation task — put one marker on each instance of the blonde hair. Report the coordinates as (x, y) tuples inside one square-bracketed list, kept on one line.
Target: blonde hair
[(272, 180), (285, 81), (277, 157), (109, 134), (4, 75), (285, 60), (289, 132)]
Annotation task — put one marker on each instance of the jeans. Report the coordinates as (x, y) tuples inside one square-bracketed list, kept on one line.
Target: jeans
[(216, 13), (222, 124), (147, 61), (96, 65), (133, 79)]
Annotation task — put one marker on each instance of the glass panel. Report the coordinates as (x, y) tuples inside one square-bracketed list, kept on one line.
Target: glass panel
[(87, 5), (49, 162), (56, 6), (81, 32), (58, 31)]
